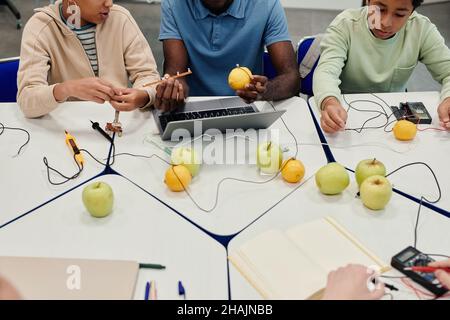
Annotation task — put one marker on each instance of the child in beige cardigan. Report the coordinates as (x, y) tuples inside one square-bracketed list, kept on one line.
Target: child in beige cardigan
[(84, 50)]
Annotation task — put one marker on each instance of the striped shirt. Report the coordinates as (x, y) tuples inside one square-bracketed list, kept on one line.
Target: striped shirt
[(86, 35)]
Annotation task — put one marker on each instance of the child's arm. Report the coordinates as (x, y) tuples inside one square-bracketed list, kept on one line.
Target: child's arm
[(35, 95), (436, 57), (334, 48), (140, 62)]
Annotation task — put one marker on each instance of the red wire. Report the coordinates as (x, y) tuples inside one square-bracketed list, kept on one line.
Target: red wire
[(417, 291)]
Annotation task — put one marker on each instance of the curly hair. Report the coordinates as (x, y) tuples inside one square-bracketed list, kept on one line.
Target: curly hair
[(417, 3)]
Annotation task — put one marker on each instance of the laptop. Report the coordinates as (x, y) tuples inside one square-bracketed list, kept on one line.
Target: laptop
[(196, 117), (70, 279)]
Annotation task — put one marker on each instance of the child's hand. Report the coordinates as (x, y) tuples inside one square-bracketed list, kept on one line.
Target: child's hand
[(333, 117), (444, 113), (129, 99), (87, 89), (442, 276), (352, 283), (7, 291)]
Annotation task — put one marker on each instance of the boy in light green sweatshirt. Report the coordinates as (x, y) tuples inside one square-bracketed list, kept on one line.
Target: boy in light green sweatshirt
[(375, 49)]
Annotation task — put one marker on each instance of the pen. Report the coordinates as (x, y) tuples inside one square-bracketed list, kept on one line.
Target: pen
[(181, 290), (70, 140), (151, 266), (427, 269), (96, 126), (147, 290)]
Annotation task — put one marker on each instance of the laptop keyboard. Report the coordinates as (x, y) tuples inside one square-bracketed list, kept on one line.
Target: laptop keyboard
[(165, 118)]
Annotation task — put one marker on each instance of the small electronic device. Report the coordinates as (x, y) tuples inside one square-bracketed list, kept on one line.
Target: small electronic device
[(411, 257), (415, 112)]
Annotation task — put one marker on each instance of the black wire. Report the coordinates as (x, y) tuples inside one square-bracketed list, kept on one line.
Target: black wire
[(422, 198), (98, 161), (432, 172), (80, 169), (3, 128), (363, 127)]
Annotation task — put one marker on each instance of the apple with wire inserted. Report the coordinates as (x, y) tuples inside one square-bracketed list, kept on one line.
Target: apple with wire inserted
[(368, 168), (332, 179), (269, 157), (239, 78), (186, 157), (98, 198), (376, 192)]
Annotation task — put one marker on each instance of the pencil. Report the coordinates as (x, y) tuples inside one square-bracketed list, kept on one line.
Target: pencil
[(179, 75)]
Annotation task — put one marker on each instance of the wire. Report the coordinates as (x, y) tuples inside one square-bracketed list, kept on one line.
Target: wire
[(216, 201), (422, 198), (80, 169), (3, 128)]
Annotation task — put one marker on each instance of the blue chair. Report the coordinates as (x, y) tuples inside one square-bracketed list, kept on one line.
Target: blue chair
[(306, 83), (269, 69), (8, 79)]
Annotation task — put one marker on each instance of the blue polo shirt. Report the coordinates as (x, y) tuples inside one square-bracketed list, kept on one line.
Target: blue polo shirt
[(216, 43)]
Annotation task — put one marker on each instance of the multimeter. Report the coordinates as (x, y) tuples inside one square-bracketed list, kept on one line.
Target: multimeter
[(412, 111), (411, 257)]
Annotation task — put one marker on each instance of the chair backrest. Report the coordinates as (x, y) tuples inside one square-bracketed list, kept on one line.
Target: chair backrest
[(8, 79), (306, 83), (269, 69)]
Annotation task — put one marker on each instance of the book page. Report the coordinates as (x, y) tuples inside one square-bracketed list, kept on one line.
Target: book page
[(329, 245), (276, 268)]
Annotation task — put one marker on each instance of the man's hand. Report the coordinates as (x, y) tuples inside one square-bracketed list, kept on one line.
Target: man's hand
[(333, 117), (170, 95), (444, 113), (441, 275), (254, 90), (129, 99), (352, 283), (7, 291), (87, 89)]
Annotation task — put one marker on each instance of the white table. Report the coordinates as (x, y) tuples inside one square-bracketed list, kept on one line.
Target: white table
[(239, 204), (385, 232), (431, 147), (139, 229), (24, 183)]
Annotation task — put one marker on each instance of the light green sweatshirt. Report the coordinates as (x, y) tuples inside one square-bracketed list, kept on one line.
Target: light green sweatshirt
[(353, 60)]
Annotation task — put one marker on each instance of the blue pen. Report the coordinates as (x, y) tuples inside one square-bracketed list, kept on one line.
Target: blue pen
[(147, 290), (181, 290)]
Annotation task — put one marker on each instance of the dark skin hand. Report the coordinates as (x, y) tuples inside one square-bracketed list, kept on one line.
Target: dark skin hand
[(283, 86), (171, 93)]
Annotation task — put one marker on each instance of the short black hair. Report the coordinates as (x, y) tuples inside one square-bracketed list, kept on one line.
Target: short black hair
[(417, 3)]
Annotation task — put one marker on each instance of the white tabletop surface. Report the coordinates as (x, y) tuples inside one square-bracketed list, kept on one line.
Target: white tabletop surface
[(431, 147)]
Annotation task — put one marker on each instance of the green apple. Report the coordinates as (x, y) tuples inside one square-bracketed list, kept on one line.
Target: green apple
[(186, 157), (375, 192), (368, 168), (332, 179), (98, 199), (269, 157)]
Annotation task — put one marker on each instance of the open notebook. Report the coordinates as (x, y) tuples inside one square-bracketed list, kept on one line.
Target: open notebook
[(74, 279), (295, 264)]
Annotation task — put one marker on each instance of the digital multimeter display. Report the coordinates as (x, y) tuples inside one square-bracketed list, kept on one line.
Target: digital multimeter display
[(411, 257), (406, 255)]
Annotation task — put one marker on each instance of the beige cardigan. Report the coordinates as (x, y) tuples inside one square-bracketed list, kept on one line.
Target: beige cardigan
[(51, 54)]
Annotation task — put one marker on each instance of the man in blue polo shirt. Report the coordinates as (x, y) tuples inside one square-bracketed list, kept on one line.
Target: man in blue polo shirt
[(212, 36)]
